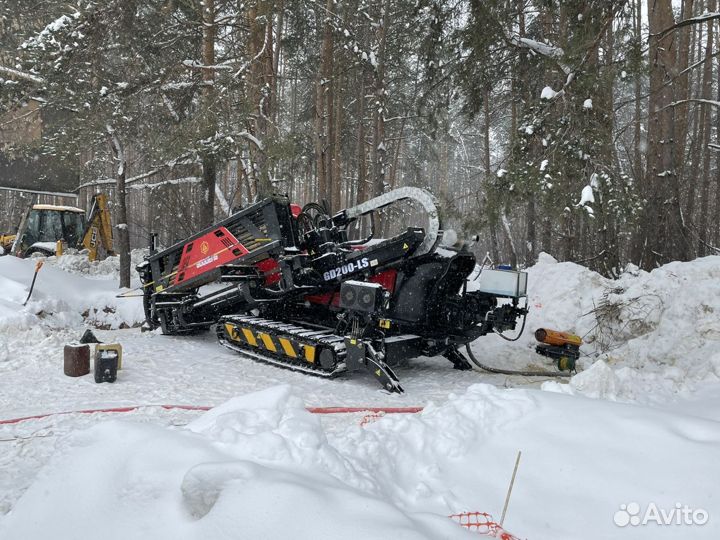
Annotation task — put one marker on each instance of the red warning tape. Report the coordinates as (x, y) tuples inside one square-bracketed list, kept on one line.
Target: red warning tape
[(313, 410)]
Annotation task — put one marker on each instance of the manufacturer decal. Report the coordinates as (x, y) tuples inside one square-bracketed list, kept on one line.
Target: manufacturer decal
[(346, 269), (206, 261)]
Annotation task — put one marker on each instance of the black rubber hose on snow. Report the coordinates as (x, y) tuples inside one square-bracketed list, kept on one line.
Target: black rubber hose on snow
[(513, 372)]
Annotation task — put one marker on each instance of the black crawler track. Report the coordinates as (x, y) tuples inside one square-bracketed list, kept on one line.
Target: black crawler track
[(266, 344)]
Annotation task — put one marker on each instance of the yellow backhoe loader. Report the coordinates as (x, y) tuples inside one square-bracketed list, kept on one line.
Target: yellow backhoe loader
[(46, 228)]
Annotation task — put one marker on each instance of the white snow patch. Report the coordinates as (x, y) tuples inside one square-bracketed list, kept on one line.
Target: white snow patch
[(60, 298), (263, 465), (548, 93), (586, 196)]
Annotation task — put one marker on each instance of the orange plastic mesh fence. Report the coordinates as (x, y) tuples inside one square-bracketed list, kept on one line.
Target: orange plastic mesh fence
[(372, 417), (482, 523)]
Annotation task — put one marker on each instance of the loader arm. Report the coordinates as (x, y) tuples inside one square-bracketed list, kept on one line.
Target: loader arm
[(17, 246), (98, 229)]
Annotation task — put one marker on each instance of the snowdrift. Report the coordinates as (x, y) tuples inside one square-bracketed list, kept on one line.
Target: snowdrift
[(648, 335), (260, 466), (76, 262), (61, 299)]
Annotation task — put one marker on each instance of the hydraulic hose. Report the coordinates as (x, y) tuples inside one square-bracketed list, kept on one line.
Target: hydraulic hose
[(512, 372)]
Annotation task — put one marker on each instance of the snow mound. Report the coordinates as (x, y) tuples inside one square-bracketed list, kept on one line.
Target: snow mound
[(60, 299), (655, 334), (260, 466), (77, 262)]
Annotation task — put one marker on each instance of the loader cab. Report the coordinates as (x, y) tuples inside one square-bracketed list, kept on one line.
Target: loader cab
[(46, 224)]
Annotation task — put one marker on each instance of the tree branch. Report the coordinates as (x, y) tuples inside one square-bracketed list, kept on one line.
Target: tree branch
[(687, 22), (22, 75)]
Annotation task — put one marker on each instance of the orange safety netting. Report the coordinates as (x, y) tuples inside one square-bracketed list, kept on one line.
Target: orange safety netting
[(482, 523), (369, 418)]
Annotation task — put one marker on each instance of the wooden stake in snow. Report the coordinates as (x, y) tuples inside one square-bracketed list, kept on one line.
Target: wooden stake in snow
[(512, 481)]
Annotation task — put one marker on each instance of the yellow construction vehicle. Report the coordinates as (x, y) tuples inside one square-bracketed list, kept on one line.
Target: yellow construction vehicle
[(46, 228)]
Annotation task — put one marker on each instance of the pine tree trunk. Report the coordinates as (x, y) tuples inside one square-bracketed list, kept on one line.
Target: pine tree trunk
[(716, 220), (122, 236), (337, 184), (323, 109), (706, 94), (491, 213), (662, 230), (638, 163), (379, 150), (207, 210), (362, 185)]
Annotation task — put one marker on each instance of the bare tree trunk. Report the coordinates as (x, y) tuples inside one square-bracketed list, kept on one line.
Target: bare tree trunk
[(362, 185), (323, 110), (716, 236), (682, 84), (123, 234), (662, 230), (262, 88), (491, 213), (337, 148), (207, 208), (707, 115), (379, 150), (638, 163)]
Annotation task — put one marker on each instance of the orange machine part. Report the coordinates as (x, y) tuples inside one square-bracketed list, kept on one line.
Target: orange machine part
[(553, 337)]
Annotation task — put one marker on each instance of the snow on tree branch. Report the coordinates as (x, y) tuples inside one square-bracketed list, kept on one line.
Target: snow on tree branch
[(250, 137), (117, 149), (687, 22), (47, 35), (549, 51), (710, 102), (171, 182), (22, 75), (247, 64), (197, 65)]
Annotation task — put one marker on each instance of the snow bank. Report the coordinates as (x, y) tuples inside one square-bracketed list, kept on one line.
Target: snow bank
[(260, 466), (60, 299), (653, 335), (76, 262), (658, 332)]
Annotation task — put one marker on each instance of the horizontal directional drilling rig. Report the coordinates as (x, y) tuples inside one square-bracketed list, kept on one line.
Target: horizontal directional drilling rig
[(295, 291)]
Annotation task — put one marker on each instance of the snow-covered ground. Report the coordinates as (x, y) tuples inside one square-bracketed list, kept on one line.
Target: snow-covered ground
[(260, 465)]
